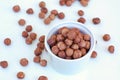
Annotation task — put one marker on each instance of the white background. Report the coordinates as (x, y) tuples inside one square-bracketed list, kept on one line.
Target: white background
[(105, 67)]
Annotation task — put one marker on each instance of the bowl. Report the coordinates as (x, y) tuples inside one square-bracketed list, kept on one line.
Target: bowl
[(69, 66)]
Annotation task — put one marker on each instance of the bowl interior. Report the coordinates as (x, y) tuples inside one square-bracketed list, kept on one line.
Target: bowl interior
[(80, 26)]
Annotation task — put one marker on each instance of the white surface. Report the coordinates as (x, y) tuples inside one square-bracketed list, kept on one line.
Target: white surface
[(105, 67)]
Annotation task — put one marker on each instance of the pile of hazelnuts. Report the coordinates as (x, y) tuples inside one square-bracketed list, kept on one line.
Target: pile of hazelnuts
[(69, 43)]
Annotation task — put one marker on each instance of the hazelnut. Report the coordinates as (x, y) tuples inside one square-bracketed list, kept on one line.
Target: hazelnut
[(84, 51), (25, 34), (61, 45), (82, 44), (61, 15), (96, 20), (7, 41), (86, 37), (24, 62), (77, 54), (16, 8), (47, 21), (37, 59), (80, 12), (41, 45), (28, 40), (68, 42), (87, 45), (62, 2), (68, 3), (21, 22), (42, 4), (76, 30), (69, 52), (94, 54), (81, 20), (55, 50), (75, 46), (106, 37), (59, 37), (29, 11), (38, 51), (42, 78), (43, 62), (4, 64), (55, 12), (52, 16), (61, 54), (41, 15), (52, 40), (33, 36), (77, 39), (42, 38), (44, 10), (64, 31), (71, 35), (20, 75), (84, 3), (111, 49), (28, 28)]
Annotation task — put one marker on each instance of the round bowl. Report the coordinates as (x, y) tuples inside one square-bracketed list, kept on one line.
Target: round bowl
[(69, 66)]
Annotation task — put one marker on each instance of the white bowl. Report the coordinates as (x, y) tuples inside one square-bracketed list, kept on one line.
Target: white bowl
[(69, 66)]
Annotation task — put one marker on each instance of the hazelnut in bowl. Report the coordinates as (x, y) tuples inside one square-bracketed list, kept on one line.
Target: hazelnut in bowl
[(69, 46)]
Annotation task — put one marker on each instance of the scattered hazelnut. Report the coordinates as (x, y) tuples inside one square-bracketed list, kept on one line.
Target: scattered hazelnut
[(42, 38), (21, 22), (62, 2), (44, 10), (42, 4), (84, 3), (80, 12), (24, 62), (20, 75), (96, 20), (4, 64), (16, 8), (81, 20), (33, 36), (29, 11), (38, 51), (28, 28), (43, 62), (41, 15), (111, 49), (7, 41), (42, 78), (94, 54), (55, 12), (106, 37), (68, 3), (61, 15), (52, 16), (47, 21), (41, 45), (37, 59), (28, 40), (25, 34)]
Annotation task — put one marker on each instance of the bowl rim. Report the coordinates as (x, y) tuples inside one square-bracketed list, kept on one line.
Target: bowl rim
[(71, 60)]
